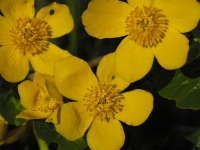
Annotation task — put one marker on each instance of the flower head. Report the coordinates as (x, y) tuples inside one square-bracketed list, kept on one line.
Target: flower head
[(40, 98), (99, 104), (153, 28), (24, 38)]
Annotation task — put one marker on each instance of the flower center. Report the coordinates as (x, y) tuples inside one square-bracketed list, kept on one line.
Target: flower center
[(103, 101), (30, 35), (146, 26), (46, 102)]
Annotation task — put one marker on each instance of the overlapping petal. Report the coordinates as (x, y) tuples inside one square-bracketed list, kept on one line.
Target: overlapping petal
[(104, 135), (40, 79), (106, 72), (29, 92), (137, 106), (53, 91), (45, 61), (30, 114), (14, 65), (132, 61), (74, 120), (73, 77), (58, 17), (15, 9), (182, 15), (5, 27), (106, 18), (172, 52)]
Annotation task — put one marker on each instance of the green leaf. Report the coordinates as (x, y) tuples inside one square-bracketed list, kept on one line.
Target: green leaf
[(194, 136), (182, 85), (10, 107), (47, 132), (198, 144)]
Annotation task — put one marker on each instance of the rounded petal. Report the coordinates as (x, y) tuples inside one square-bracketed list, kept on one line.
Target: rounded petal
[(137, 106), (15, 9), (73, 77), (30, 114), (53, 91), (141, 3), (106, 18), (172, 52), (106, 72), (45, 61), (40, 79), (132, 61), (182, 15), (28, 92), (58, 17), (104, 135), (74, 120), (14, 65), (5, 27)]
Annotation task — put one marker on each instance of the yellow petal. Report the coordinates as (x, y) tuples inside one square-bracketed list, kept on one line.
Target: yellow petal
[(15, 9), (5, 27), (106, 72), (73, 77), (14, 65), (141, 3), (44, 62), (40, 78), (54, 117), (132, 61), (74, 120), (182, 15), (3, 127), (137, 106), (58, 17), (172, 52), (53, 91), (30, 114), (14, 134), (104, 135), (28, 92), (106, 18)]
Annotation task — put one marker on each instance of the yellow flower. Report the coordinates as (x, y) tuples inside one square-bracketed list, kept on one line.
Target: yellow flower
[(99, 103), (153, 28), (24, 38), (7, 137), (40, 97)]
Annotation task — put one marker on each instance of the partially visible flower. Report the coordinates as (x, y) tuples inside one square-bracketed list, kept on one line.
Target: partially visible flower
[(153, 27), (7, 137), (40, 98), (99, 103), (24, 38)]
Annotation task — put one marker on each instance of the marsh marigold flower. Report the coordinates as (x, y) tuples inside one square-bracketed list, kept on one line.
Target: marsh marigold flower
[(23, 37), (153, 28), (40, 98), (99, 104)]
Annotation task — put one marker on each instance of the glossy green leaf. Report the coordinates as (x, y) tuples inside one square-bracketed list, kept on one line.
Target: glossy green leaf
[(194, 136), (47, 132), (10, 107), (182, 85)]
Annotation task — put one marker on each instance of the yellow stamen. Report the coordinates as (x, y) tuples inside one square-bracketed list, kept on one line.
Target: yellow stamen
[(30, 35), (146, 26), (46, 102), (103, 101)]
